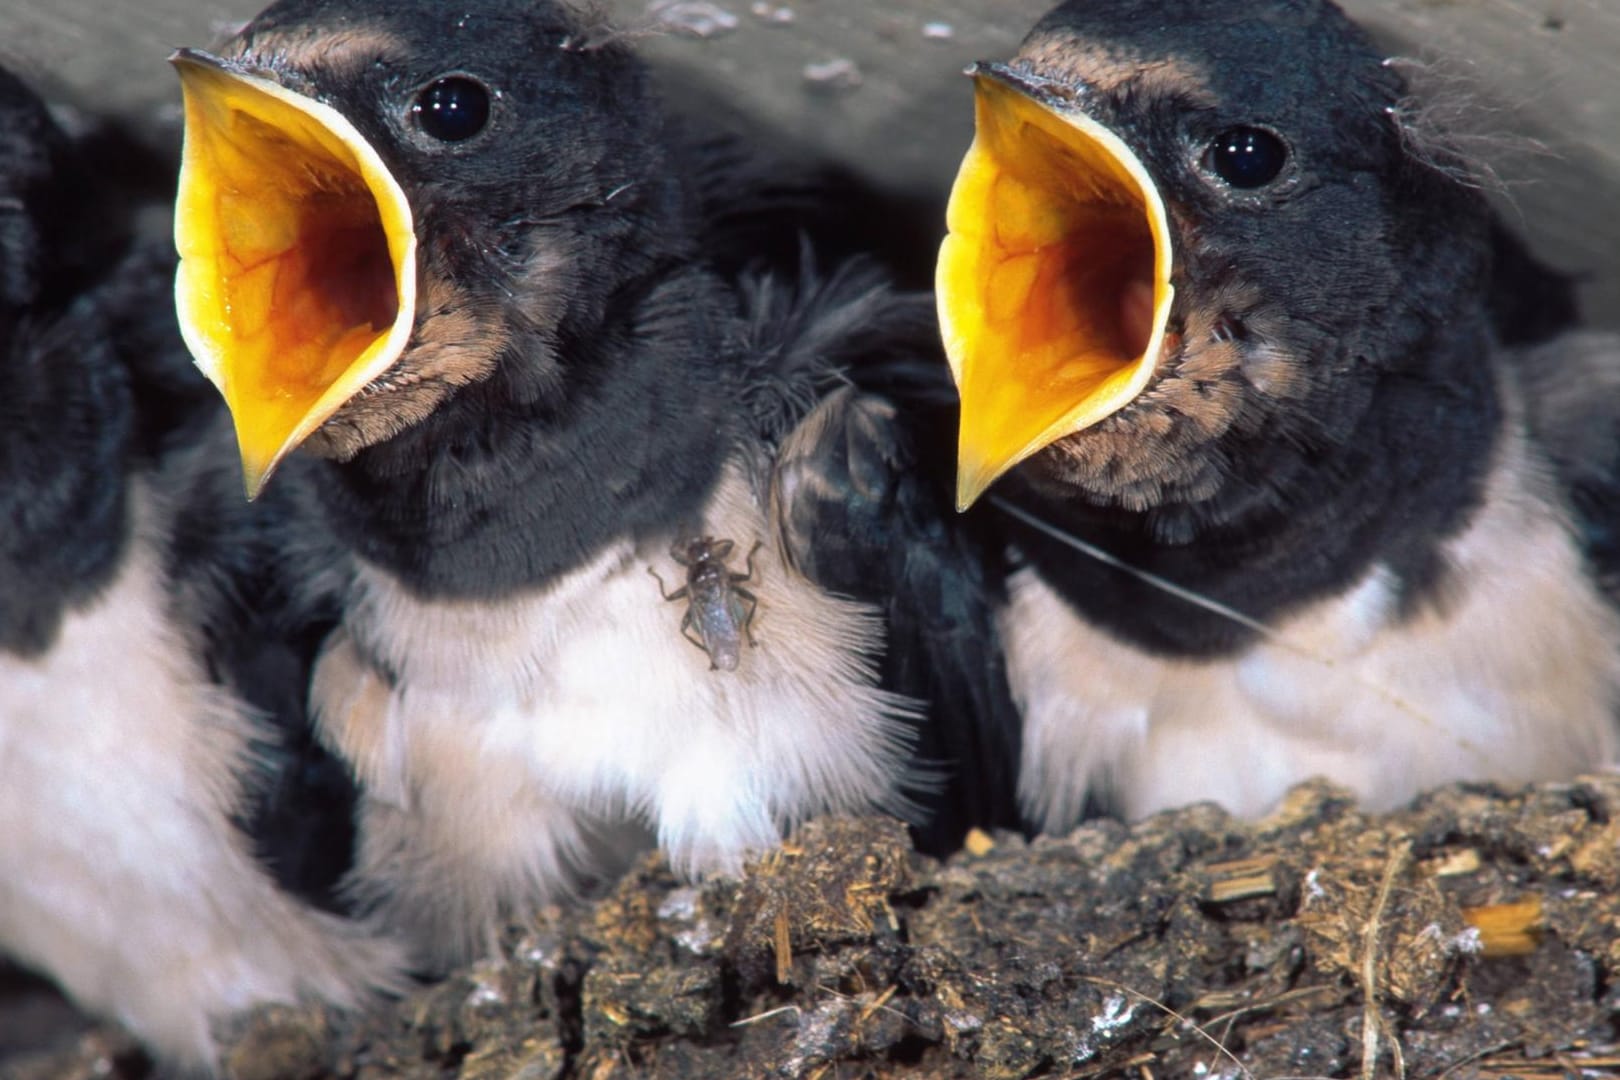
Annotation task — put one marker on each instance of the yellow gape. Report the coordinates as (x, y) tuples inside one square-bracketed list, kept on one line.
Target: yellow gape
[(1053, 282), (297, 279)]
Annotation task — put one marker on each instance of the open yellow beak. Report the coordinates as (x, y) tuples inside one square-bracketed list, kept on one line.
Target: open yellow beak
[(297, 279), (1053, 282)]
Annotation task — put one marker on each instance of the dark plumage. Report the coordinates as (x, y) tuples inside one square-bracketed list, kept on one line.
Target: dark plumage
[(64, 435), (1335, 448), (870, 516), (64, 418)]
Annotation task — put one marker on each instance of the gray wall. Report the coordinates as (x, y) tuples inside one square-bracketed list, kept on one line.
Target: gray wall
[(1544, 74)]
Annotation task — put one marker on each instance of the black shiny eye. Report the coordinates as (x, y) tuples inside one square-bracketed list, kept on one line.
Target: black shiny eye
[(1246, 157), (452, 109)]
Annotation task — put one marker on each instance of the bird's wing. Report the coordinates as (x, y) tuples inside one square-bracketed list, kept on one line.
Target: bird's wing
[(862, 513)]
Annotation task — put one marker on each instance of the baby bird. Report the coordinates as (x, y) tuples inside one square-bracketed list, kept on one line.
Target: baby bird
[(1218, 309), (453, 254)]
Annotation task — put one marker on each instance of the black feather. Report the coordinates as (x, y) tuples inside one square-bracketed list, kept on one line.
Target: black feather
[(1530, 302), (862, 515), (64, 437), (64, 398)]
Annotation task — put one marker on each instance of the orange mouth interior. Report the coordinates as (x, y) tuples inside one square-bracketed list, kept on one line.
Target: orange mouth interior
[(297, 278), (1053, 283)]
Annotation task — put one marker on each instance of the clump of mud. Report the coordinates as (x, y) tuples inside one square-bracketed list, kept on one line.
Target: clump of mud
[(1475, 934)]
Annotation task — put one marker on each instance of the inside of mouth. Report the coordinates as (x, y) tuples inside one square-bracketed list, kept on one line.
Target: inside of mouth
[(1072, 307), (1054, 279), (305, 279), (296, 285)]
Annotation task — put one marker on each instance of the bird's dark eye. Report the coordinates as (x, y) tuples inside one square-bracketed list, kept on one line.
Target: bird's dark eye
[(1246, 157), (452, 108)]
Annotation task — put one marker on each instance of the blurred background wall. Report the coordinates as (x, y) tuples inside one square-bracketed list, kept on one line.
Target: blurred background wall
[(875, 86)]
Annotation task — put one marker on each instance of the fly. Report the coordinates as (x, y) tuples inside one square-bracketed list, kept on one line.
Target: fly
[(719, 611)]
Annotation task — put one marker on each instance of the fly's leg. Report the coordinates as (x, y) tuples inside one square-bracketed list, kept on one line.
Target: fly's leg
[(749, 563), (748, 617), (678, 594)]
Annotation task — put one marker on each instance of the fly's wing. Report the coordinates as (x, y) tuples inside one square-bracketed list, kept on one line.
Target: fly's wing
[(863, 515)]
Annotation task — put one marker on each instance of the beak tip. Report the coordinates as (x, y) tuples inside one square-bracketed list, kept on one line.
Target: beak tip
[(971, 482), (256, 473)]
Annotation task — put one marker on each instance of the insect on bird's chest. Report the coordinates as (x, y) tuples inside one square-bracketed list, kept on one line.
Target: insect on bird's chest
[(717, 610), (720, 611), (590, 692)]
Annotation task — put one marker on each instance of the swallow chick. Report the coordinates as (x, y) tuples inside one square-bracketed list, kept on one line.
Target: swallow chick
[(448, 253), (127, 764), (1216, 306)]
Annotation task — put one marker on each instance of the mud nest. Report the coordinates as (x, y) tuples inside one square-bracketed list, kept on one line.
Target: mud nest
[(1474, 934)]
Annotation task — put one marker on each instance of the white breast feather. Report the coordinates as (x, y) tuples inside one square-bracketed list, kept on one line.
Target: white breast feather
[(520, 730), (1515, 678), (121, 875)]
